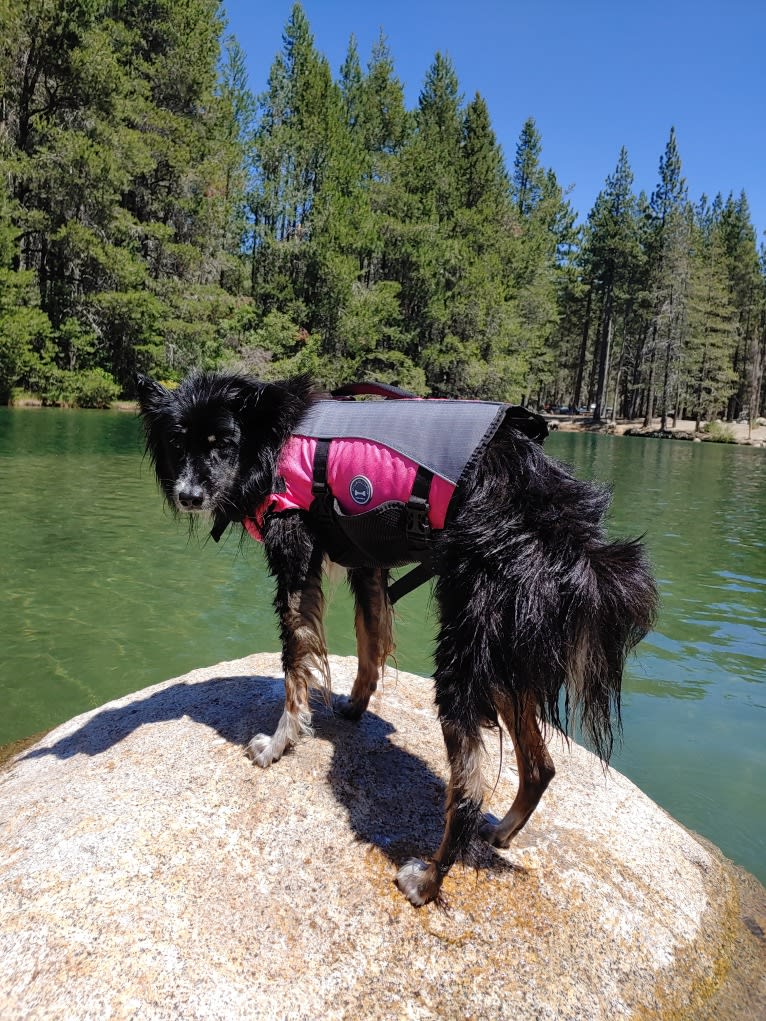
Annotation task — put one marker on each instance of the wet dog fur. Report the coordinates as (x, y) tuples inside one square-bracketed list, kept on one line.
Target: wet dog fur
[(533, 599)]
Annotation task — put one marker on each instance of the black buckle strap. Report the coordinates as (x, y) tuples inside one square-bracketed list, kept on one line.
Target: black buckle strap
[(321, 504), (411, 580), (417, 525), (532, 425), (319, 475)]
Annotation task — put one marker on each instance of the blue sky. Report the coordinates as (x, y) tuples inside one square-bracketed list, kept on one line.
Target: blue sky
[(595, 75)]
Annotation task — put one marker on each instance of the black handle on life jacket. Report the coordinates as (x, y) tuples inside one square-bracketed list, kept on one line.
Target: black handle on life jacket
[(391, 393), (528, 422)]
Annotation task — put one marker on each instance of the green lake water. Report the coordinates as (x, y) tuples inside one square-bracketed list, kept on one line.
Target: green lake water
[(103, 593)]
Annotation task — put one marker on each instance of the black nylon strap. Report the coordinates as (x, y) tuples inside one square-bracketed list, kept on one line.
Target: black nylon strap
[(321, 504), (319, 477), (418, 528), (411, 580), (421, 487), (526, 421)]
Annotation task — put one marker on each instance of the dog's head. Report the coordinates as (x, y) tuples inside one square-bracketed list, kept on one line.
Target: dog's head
[(215, 440)]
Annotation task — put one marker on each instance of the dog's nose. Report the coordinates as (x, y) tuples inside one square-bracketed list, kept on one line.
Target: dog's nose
[(191, 497)]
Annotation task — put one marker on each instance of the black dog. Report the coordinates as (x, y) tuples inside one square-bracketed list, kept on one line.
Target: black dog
[(532, 598)]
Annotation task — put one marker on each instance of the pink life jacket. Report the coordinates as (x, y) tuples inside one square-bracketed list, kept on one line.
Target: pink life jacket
[(377, 477)]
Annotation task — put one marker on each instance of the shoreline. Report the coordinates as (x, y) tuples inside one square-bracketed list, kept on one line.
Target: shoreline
[(685, 429)]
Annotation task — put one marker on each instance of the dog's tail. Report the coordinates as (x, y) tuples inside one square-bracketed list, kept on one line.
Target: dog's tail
[(573, 603), (611, 605)]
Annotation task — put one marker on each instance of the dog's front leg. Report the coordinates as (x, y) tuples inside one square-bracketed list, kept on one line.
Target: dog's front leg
[(295, 560)]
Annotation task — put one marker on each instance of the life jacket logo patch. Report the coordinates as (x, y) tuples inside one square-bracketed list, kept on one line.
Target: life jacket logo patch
[(360, 490)]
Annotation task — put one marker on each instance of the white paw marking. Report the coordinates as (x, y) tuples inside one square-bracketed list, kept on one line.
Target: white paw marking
[(264, 750), (408, 879)]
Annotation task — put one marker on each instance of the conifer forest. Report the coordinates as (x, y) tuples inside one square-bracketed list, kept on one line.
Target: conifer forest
[(156, 215)]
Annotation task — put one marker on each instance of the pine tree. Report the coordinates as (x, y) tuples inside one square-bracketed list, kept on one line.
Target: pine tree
[(384, 121), (363, 331), (611, 253), (707, 371), (433, 156), (485, 181), (482, 314), (292, 137), (24, 329), (230, 161), (528, 175), (381, 129), (300, 113), (452, 243), (545, 230), (668, 248), (421, 202), (111, 127), (350, 85), (747, 296)]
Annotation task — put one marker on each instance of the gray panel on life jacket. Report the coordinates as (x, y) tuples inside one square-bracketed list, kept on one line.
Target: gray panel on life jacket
[(440, 435)]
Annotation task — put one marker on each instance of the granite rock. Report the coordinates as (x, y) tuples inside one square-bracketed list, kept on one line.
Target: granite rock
[(149, 870)]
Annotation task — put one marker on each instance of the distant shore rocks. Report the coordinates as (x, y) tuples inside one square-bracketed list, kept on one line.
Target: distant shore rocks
[(663, 434), (691, 435), (731, 433), (149, 870)]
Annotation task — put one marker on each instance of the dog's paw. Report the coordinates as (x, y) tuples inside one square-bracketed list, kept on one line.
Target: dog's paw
[(264, 750), (348, 708), (418, 881), (489, 830)]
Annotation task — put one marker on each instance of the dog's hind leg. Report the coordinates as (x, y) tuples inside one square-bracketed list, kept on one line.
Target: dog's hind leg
[(300, 605), (536, 769), (421, 881), (374, 636), (461, 716)]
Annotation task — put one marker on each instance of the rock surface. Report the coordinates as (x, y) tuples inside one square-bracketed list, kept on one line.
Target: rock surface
[(149, 870)]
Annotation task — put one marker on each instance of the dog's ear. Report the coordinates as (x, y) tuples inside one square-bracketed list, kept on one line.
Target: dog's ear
[(268, 413), (246, 397), (268, 403), (150, 393)]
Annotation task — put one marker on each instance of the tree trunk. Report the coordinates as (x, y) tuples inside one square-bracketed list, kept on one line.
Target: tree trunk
[(649, 411), (583, 351), (731, 406), (605, 344), (618, 378), (703, 370), (676, 403), (635, 402)]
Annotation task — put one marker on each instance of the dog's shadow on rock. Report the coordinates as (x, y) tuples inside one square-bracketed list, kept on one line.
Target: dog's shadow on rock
[(393, 799)]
